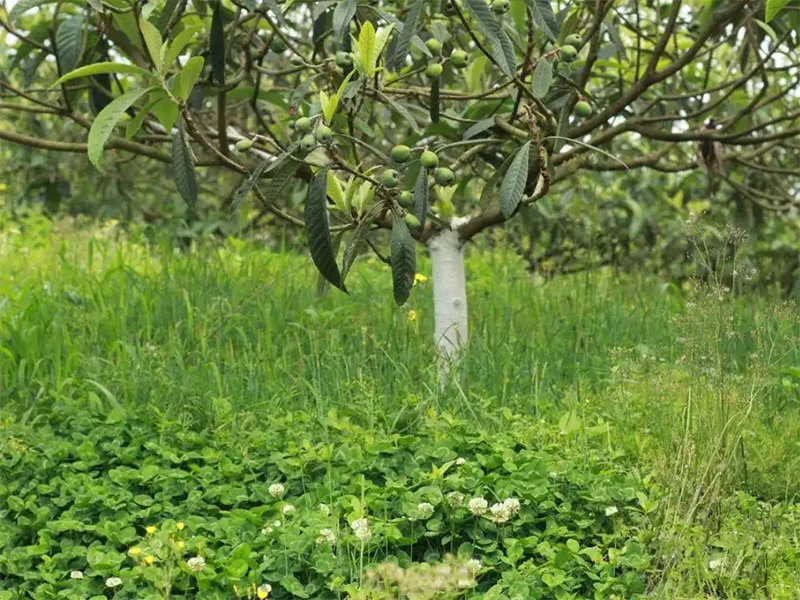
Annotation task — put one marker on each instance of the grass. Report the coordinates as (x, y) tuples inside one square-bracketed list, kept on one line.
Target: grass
[(695, 390)]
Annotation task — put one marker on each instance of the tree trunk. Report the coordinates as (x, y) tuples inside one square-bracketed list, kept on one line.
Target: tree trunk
[(449, 296)]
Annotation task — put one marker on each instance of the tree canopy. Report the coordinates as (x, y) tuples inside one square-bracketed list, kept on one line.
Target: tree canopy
[(414, 116)]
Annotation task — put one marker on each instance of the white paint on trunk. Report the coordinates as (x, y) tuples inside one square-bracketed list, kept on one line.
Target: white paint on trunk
[(449, 292)]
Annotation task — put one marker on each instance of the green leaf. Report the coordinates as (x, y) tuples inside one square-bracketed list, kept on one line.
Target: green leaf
[(104, 123), (356, 242), (179, 43), (69, 42), (217, 44), (100, 68), (773, 8), (319, 235), (404, 40), (502, 49), (188, 77), (23, 6), (263, 167), (152, 39), (166, 111), (478, 127), (403, 112), (542, 78), (420, 209), (342, 15), (183, 172), (404, 260), (514, 182), (542, 12), (366, 49), (135, 124)]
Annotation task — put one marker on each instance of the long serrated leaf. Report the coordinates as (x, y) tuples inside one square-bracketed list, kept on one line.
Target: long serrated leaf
[(542, 78), (404, 260), (152, 39), (420, 208), (248, 184), (543, 16), (488, 188), (435, 101), (100, 68), (164, 15), (319, 235), (404, 39), (514, 182), (188, 77), (300, 92), (616, 39), (69, 42), (356, 241), (478, 128), (135, 124), (104, 124), (217, 44), (773, 8), (502, 49), (183, 172), (179, 43), (342, 15), (403, 112), (23, 6)]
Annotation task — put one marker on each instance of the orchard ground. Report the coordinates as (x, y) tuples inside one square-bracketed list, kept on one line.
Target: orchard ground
[(152, 400)]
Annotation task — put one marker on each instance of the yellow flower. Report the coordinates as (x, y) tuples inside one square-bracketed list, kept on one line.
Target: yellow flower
[(3, 187), (179, 526), (412, 315), (149, 560), (180, 545), (135, 551), (420, 278), (262, 594), (150, 529)]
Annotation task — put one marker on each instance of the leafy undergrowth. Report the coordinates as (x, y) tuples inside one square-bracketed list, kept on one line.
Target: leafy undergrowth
[(78, 496)]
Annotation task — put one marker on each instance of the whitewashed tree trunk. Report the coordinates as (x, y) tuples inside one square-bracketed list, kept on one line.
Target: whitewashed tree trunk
[(449, 295)]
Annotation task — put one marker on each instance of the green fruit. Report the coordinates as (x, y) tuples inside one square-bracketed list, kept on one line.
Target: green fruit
[(444, 176), (574, 40), (568, 53), (401, 154), (434, 45), (323, 134), (344, 60), (303, 125), (434, 70), (277, 45), (583, 109), (459, 59), (243, 145), (500, 6), (406, 199), (309, 142), (429, 160), (389, 178), (412, 221)]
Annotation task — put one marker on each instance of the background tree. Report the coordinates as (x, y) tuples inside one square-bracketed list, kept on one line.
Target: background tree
[(431, 120)]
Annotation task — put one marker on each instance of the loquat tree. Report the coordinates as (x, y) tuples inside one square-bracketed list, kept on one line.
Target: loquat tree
[(433, 120)]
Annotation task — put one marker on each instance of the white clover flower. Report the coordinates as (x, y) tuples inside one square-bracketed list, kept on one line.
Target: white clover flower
[(474, 565), (326, 536), (267, 530), (500, 512), (277, 523), (455, 499), (478, 506), (425, 509), (196, 563), (512, 504), (715, 564), (461, 461), (76, 575), (361, 529), (276, 490), (288, 509), (324, 509), (611, 511), (113, 582), (263, 591)]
